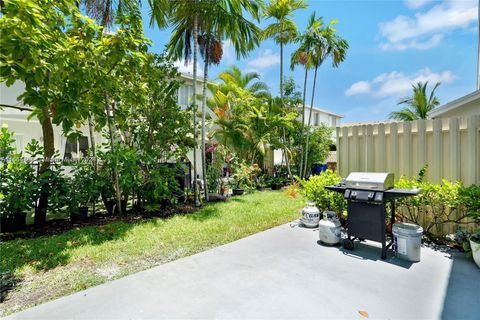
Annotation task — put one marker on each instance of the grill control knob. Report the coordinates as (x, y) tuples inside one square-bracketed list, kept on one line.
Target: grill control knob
[(354, 195), (371, 195)]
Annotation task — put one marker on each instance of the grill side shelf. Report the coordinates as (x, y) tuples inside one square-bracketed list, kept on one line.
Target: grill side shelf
[(339, 189), (397, 193)]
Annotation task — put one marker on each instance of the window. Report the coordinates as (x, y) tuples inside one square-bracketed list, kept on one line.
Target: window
[(334, 122), (317, 119), (185, 93), (76, 148)]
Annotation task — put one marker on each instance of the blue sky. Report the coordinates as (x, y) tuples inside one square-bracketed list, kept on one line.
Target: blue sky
[(392, 44)]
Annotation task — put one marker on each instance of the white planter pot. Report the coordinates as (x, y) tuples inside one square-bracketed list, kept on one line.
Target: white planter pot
[(475, 252)]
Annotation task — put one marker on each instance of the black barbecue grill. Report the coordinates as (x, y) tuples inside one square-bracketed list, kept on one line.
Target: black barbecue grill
[(367, 194)]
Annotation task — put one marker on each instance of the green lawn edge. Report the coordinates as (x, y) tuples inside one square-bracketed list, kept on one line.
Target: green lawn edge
[(49, 267)]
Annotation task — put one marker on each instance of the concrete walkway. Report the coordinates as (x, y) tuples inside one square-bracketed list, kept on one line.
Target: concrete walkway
[(283, 273)]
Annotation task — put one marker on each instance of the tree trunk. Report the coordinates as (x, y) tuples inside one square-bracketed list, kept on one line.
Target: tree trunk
[(281, 71), (204, 102), (94, 153), (287, 162), (115, 165), (48, 152), (303, 121), (195, 45), (309, 122)]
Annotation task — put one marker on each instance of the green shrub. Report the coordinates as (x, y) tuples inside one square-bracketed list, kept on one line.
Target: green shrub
[(438, 204), (314, 190), (18, 184)]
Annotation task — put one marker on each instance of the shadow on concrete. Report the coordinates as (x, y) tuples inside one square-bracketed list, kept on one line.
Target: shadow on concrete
[(365, 251), (462, 297)]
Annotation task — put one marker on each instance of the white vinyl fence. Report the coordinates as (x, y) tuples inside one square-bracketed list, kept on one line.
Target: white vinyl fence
[(450, 147)]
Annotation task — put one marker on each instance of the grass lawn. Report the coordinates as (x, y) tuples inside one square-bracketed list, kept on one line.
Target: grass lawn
[(48, 267)]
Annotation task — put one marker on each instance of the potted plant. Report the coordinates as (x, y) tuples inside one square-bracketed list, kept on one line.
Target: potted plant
[(277, 183), (261, 183), (84, 190), (475, 246), (244, 174), (17, 191)]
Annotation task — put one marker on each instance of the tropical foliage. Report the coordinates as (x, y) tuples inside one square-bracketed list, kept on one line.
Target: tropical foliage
[(78, 73), (419, 104)]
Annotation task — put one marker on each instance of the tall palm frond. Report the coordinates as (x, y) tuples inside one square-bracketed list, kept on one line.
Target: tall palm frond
[(418, 105)]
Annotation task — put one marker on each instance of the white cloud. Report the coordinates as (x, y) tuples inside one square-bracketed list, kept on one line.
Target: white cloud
[(265, 59), (415, 4), (425, 30), (394, 84), (188, 68), (228, 52), (358, 88)]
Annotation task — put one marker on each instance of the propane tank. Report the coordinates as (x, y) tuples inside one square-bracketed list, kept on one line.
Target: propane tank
[(329, 228), (310, 216)]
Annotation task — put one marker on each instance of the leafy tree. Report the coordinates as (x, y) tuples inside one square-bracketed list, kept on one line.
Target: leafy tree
[(41, 46), (418, 105), (326, 44)]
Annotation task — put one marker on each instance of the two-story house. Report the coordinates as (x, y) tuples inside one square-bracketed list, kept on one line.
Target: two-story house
[(319, 116)]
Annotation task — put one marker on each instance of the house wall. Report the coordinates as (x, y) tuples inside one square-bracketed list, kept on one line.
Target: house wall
[(318, 117), (25, 130), (465, 110), (450, 147)]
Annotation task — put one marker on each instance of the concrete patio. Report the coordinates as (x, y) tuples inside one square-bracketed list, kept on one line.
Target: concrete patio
[(283, 273)]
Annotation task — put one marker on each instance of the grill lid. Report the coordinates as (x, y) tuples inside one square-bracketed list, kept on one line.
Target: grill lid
[(370, 180)]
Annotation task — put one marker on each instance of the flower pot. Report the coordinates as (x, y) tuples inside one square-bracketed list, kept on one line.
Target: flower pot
[(80, 215), (261, 188), (276, 186), (13, 223), (238, 191), (475, 246)]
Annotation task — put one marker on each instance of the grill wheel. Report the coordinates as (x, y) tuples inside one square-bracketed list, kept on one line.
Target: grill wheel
[(347, 244)]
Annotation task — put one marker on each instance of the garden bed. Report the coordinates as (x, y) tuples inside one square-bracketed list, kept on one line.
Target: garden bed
[(47, 267)]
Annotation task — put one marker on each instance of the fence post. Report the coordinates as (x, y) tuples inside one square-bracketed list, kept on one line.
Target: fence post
[(369, 149), (394, 148), (421, 144), (381, 148), (437, 161), (407, 149), (354, 157), (345, 149), (454, 135), (471, 163)]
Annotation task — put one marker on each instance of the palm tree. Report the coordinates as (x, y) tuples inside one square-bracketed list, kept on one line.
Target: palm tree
[(104, 11), (213, 20), (234, 76), (283, 31), (303, 57), (418, 106), (326, 44)]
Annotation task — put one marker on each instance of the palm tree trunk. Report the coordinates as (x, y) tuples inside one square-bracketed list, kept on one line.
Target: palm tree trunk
[(204, 102), (195, 45), (287, 162), (281, 70), (309, 122), (303, 121)]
